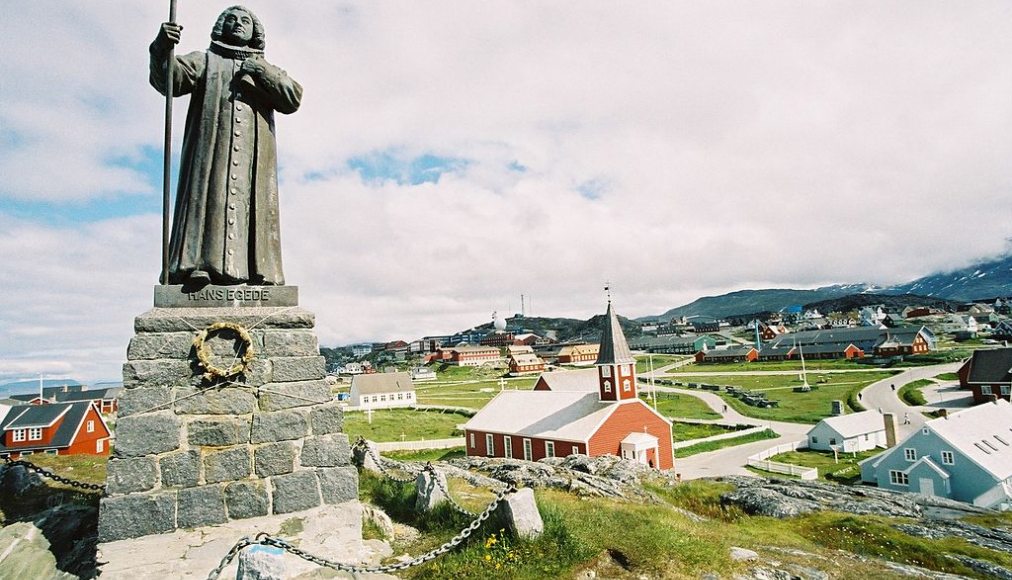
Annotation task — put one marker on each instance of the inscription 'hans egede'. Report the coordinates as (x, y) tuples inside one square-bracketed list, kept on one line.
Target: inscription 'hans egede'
[(232, 294)]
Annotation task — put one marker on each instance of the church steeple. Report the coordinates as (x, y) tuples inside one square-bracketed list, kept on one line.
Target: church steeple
[(616, 366)]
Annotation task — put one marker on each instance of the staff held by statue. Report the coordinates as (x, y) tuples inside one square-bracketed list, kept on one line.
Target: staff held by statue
[(167, 153)]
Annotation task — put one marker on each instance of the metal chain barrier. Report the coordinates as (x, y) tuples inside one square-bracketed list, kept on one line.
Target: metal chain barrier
[(362, 444), (453, 503), (265, 539), (49, 474)]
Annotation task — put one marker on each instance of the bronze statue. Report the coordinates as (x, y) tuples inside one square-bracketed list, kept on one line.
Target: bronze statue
[(225, 227)]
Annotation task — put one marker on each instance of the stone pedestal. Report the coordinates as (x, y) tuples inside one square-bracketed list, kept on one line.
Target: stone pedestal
[(192, 452)]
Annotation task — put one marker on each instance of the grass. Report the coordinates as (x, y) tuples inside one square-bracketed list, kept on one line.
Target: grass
[(426, 454), (660, 360), (686, 431), (782, 365), (911, 393), (402, 424), (721, 444), (681, 406), (808, 407), (473, 394), (845, 471), (948, 377), (85, 468)]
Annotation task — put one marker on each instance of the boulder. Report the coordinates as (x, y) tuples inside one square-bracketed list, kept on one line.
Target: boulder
[(521, 514), (261, 563), (430, 485), (17, 480)]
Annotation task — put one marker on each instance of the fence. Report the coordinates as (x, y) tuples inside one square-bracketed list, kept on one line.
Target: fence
[(423, 444), (761, 461), (728, 435)]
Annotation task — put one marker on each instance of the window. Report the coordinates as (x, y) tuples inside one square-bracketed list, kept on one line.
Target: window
[(898, 478), (528, 452), (400, 396), (19, 434), (472, 440), (489, 445), (626, 386), (607, 386), (383, 397), (507, 447), (549, 449), (626, 369), (35, 434), (91, 427), (51, 452), (1005, 390), (100, 446), (576, 449), (407, 396), (948, 458), (910, 454), (606, 371), (832, 440), (815, 439)]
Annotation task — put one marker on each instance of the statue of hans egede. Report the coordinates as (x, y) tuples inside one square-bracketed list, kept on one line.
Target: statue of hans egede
[(225, 227)]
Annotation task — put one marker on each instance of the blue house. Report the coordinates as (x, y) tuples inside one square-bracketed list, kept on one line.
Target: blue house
[(965, 456)]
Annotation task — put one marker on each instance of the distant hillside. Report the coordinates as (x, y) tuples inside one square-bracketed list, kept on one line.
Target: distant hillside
[(32, 385), (984, 280), (858, 301), (750, 301), (567, 328)]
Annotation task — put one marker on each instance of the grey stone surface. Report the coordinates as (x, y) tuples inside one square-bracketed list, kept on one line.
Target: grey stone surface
[(521, 513), (218, 431), (295, 492), (338, 484), (180, 469), (186, 319), (274, 459), (28, 554), (212, 296), (326, 451), (290, 343), (379, 518), (743, 554), (246, 499), (142, 399), (262, 563), (131, 516), (130, 475), (139, 435), (325, 419), (279, 396), (217, 400), (200, 506), (228, 465), (279, 426), (302, 368), (17, 480), (163, 372), (160, 345), (430, 493)]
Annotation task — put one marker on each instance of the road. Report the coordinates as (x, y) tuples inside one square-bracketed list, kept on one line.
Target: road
[(879, 395)]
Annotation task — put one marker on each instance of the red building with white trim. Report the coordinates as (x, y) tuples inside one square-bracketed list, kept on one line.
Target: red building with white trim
[(609, 419), (57, 428)]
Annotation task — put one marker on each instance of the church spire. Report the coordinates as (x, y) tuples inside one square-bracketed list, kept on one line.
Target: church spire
[(616, 367), (614, 348)]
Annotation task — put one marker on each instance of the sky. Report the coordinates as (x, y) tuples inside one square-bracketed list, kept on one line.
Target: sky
[(451, 156)]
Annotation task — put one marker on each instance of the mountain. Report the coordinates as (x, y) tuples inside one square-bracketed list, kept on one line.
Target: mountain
[(984, 280), (566, 328), (892, 302), (751, 301)]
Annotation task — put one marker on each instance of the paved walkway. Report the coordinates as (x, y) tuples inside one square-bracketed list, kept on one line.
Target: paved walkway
[(883, 397)]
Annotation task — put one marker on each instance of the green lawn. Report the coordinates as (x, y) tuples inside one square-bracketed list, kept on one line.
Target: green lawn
[(681, 406), (911, 393), (445, 372), (721, 444), (845, 470), (426, 454), (402, 424), (807, 407), (660, 360), (686, 431), (948, 377), (787, 365), (473, 394)]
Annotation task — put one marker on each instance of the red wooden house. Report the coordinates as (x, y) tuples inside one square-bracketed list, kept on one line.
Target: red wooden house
[(988, 373), (606, 418), (57, 428)]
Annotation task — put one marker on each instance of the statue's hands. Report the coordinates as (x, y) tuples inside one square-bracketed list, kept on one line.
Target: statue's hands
[(168, 36), (253, 66)]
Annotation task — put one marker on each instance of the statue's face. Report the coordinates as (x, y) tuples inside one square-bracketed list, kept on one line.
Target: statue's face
[(238, 28)]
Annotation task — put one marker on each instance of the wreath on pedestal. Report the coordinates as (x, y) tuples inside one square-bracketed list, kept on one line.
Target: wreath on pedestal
[(241, 364)]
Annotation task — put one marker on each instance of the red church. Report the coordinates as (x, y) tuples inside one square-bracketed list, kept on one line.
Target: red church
[(604, 417)]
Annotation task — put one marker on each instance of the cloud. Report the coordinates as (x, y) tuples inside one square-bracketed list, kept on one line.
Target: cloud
[(449, 156)]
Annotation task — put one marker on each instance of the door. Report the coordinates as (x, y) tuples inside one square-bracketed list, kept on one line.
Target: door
[(927, 486)]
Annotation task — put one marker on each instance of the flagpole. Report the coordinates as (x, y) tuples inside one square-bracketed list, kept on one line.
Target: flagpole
[(167, 157)]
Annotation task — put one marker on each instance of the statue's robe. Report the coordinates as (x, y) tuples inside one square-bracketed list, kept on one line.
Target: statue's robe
[(226, 212)]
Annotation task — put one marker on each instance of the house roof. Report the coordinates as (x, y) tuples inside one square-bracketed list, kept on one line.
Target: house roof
[(828, 347), (614, 348), (637, 438), (991, 366), (89, 395), (382, 383), (25, 416), (982, 433), (64, 436), (740, 350), (566, 415), (526, 358), (854, 424), (583, 380)]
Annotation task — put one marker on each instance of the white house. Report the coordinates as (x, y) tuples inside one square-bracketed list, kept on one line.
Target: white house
[(419, 374), (965, 456), (382, 390), (853, 432)]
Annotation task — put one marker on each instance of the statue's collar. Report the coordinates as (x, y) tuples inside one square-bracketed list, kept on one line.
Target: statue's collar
[(236, 52)]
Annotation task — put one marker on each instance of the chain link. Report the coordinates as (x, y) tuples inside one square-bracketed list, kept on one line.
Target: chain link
[(49, 474), (267, 540), (440, 483), (362, 444)]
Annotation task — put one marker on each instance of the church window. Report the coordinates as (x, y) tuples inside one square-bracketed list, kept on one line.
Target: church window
[(607, 386), (489, 445), (606, 371), (507, 447), (528, 450), (626, 386), (472, 441), (549, 449)]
